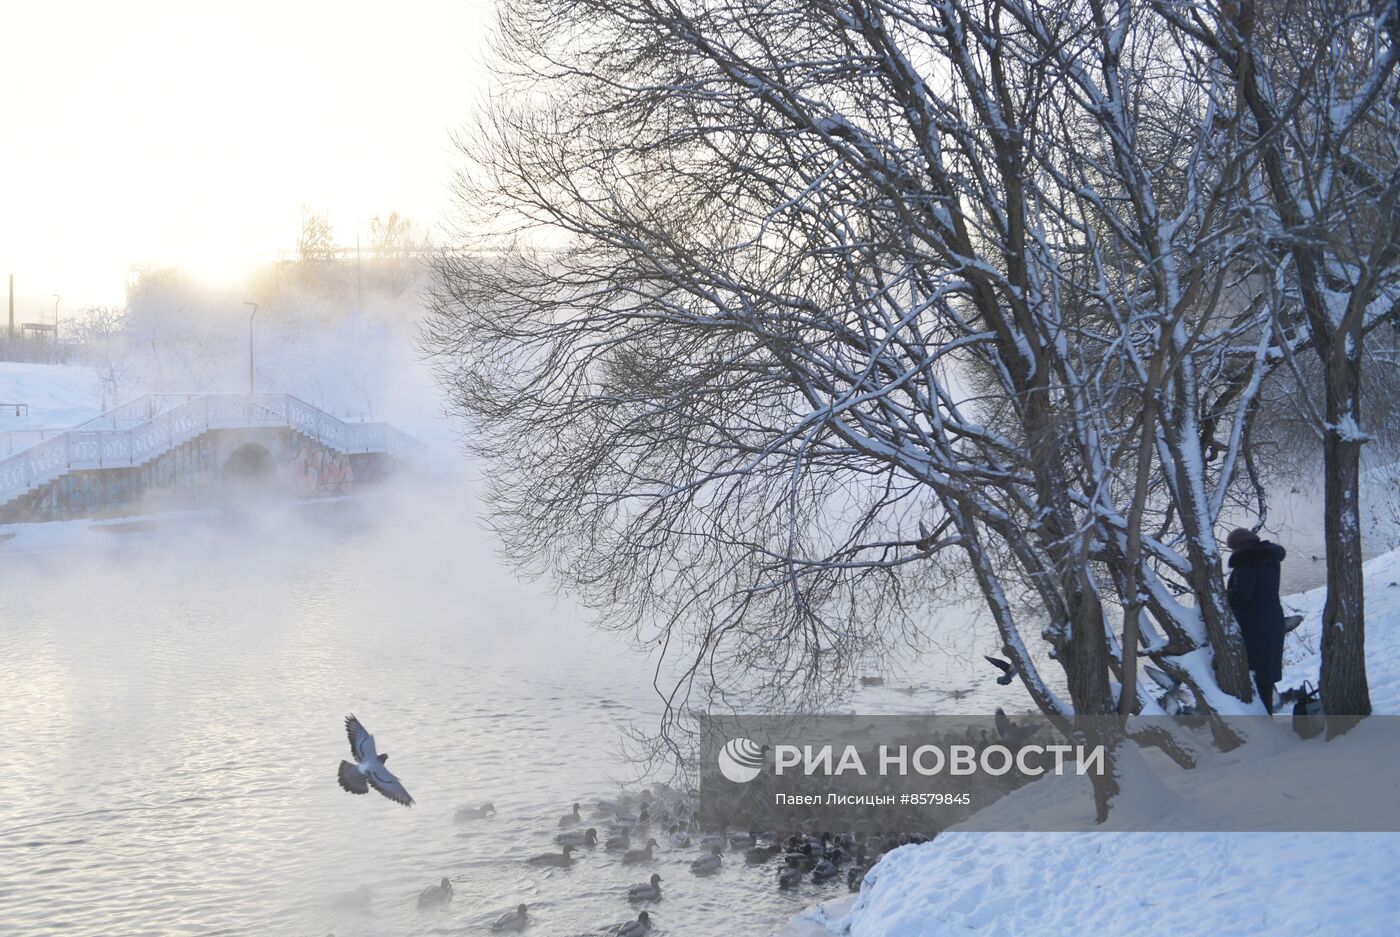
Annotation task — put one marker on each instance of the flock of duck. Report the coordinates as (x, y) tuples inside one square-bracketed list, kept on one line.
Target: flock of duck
[(797, 856)]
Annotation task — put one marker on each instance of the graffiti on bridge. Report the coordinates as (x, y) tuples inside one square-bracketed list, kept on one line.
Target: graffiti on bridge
[(321, 471)]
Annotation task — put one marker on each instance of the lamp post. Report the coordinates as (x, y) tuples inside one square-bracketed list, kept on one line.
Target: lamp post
[(250, 345)]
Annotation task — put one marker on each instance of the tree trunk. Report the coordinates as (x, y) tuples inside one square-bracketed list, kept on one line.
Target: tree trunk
[(1231, 668), (1105, 786), (1343, 679)]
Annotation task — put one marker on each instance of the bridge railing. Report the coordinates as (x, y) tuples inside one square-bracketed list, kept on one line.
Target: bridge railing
[(13, 440), (119, 439), (136, 411)]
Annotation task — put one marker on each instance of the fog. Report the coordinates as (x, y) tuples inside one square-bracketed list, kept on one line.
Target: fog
[(172, 757), (184, 676)]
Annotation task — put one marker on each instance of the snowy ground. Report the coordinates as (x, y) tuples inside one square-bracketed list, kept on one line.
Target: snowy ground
[(57, 395), (1153, 883), (1143, 884), (1382, 634)]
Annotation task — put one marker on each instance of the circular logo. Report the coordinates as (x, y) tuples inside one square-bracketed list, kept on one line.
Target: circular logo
[(741, 760)]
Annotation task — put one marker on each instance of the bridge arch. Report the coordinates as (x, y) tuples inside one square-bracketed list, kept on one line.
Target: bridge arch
[(249, 470)]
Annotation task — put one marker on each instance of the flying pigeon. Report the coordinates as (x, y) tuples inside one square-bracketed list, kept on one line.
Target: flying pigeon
[(1177, 699), (1012, 735), (1008, 670), (369, 769)]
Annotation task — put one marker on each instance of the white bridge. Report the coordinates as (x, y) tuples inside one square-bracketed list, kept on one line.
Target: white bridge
[(143, 429)]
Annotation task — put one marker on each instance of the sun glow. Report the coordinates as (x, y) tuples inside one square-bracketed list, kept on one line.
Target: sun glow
[(162, 132)]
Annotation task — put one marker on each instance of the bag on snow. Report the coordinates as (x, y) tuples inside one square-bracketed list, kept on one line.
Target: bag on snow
[(1307, 712)]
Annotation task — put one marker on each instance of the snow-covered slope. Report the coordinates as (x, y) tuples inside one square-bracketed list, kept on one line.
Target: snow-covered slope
[(1300, 653), (1138, 884), (57, 395), (1147, 884)]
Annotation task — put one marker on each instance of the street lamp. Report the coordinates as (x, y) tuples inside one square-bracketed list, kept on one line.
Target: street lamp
[(250, 345)]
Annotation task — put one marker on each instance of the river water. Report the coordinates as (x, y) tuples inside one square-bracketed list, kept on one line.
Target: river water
[(173, 712), (173, 705)]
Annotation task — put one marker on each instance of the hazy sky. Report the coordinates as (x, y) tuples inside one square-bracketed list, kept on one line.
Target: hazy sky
[(193, 133)]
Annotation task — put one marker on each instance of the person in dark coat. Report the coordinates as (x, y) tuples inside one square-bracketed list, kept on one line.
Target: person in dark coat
[(1253, 591)]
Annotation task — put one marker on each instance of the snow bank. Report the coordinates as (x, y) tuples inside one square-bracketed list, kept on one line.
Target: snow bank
[(58, 395), (1154, 883), (1143, 884), (1300, 655)]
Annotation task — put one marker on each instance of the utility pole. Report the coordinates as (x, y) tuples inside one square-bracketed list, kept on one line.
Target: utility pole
[(12, 307), (55, 319), (250, 345)]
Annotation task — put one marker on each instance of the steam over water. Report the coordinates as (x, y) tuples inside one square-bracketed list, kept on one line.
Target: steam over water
[(173, 712), (173, 705)]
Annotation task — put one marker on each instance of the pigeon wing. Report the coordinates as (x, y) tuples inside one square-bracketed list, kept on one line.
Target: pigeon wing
[(1000, 664), (361, 742), (382, 780), (1161, 678), (351, 779), (1003, 723), (1291, 622)]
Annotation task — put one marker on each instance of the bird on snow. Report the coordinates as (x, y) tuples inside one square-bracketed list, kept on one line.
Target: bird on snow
[(513, 921), (647, 891), (569, 819), (1177, 698), (435, 894), (1293, 621), (1011, 734), (588, 837), (1008, 669), (707, 865), (633, 928), (487, 809), (562, 859), (369, 769)]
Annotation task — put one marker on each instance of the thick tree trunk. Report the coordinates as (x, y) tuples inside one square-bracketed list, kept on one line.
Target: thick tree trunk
[(1105, 786), (1343, 678), (1227, 644), (1087, 654)]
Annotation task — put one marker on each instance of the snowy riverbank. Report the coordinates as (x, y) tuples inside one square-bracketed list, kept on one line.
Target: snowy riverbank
[(47, 396), (1154, 883)]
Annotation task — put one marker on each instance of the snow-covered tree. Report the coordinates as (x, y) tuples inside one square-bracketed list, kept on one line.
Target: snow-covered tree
[(780, 318), (105, 345), (1316, 90)]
